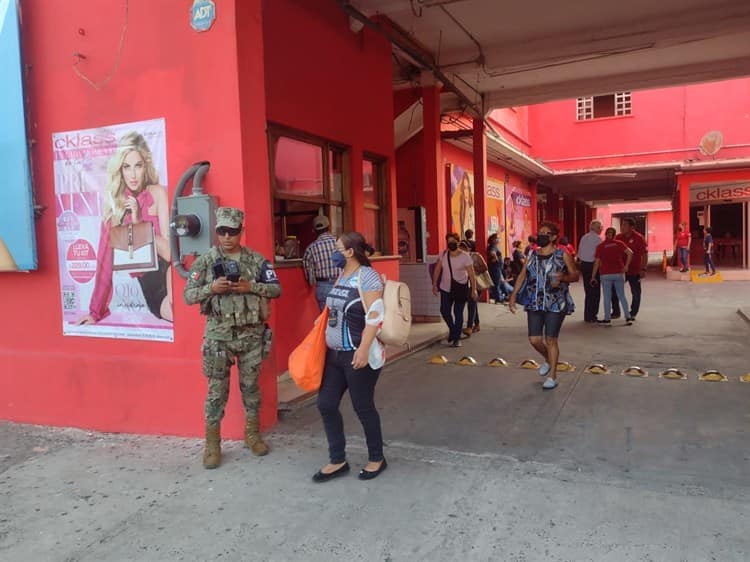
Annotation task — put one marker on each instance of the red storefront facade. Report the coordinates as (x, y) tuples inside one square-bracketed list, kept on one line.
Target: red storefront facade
[(269, 76)]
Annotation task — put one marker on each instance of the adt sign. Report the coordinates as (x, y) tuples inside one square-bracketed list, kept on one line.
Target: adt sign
[(202, 14)]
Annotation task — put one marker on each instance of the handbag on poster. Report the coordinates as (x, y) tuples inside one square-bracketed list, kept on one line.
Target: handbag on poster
[(308, 359), (134, 247)]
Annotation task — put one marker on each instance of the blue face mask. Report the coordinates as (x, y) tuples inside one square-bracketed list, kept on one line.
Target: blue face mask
[(338, 259)]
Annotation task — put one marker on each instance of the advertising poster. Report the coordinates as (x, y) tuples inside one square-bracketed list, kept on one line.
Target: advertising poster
[(112, 213), (462, 200), (494, 206), (17, 236), (519, 220)]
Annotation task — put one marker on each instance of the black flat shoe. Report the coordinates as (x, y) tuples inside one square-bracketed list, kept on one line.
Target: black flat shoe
[(322, 477), (370, 474)]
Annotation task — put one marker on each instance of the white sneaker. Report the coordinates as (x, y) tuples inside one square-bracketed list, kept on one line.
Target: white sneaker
[(544, 370), (549, 384)]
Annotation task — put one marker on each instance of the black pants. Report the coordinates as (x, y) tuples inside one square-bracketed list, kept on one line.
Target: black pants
[(452, 312), (593, 293), (338, 376), (635, 290)]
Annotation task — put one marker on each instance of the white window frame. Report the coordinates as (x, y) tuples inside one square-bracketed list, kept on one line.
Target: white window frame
[(585, 106)]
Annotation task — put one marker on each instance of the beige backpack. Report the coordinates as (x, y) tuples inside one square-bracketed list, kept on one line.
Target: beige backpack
[(396, 325)]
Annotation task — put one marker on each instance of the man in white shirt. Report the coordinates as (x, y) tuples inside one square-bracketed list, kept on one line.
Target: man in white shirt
[(586, 250)]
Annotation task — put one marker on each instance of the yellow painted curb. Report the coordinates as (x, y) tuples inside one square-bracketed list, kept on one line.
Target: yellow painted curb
[(565, 367)]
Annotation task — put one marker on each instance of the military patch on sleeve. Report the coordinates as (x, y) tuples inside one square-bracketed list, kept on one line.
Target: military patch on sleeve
[(195, 275), (267, 273)]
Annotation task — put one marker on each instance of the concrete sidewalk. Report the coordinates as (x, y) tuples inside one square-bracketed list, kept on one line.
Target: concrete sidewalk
[(483, 465)]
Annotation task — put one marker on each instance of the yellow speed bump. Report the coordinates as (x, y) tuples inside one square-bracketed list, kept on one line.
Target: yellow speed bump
[(673, 374), (467, 361), (498, 362), (438, 360), (745, 378), (529, 364), (712, 375), (635, 371), (597, 369), (565, 367)]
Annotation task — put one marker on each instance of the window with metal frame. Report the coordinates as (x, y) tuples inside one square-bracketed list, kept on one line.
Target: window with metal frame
[(607, 105), (375, 202), (309, 177)]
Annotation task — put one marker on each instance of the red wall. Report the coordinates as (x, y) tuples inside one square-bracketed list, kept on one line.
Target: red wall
[(666, 125), (166, 70), (327, 81), (411, 183), (513, 124), (216, 91)]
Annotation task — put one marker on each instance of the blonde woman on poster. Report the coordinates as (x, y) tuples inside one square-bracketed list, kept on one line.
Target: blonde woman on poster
[(7, 263), (133, 195), (465, 204)]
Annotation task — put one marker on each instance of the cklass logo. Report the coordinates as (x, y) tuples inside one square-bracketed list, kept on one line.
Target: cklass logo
[(68, 141), (719, 193), (521, 199)]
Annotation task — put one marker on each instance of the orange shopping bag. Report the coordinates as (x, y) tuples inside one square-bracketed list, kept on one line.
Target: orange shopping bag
[(307, 360)]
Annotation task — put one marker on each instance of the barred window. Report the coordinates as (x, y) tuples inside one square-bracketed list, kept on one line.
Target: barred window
[(607, 105)]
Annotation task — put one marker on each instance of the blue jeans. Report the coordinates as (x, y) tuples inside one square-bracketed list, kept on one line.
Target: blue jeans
[(454, 321), (684, 255), (501, 289), (616, 281), (709, 261), (322, 288)]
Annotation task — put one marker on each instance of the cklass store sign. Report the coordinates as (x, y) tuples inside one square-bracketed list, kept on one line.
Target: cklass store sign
[(720, 193)]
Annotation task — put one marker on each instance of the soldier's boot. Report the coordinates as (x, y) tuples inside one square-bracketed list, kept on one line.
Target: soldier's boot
[(253, 438), (212, 454)]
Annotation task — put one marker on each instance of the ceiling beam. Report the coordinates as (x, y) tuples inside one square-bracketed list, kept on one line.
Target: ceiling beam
[(641, 80), (675, 28)]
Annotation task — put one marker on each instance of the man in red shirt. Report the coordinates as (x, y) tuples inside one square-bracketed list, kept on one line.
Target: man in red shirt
[(612, 260), (637, 270)]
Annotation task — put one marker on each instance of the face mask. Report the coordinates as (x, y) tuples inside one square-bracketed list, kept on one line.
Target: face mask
[(453, 246), (338, 259), (542, 240)]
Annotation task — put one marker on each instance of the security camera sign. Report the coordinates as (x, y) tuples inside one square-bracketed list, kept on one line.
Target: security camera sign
[(202, 14)]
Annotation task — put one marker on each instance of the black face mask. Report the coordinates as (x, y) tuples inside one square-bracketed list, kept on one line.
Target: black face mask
[(453, 246), (542, 240)]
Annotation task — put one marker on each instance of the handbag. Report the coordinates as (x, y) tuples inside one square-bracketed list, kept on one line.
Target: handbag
[(459, 291), (484, 281), (134, 247), (308, 359)]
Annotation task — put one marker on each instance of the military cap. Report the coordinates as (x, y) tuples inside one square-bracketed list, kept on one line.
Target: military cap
[(229, 216)]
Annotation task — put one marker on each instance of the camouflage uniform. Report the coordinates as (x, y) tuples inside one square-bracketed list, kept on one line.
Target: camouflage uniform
[(235, 324)]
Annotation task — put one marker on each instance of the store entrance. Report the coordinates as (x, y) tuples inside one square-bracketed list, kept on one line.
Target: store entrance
[(729, 231)]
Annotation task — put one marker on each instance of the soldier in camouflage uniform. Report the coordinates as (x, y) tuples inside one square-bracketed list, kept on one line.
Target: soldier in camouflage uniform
[(232, 285)]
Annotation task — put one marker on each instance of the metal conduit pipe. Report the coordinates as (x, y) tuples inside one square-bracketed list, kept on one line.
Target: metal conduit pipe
[(197, 170), (353, 12)]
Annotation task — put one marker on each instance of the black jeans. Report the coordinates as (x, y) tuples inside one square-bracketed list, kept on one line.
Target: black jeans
[(454, 320), (635, 290), (472, 317), (338, 376), (593, 294)]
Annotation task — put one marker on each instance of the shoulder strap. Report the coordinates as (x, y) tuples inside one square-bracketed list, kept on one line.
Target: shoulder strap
[(448, 254)]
